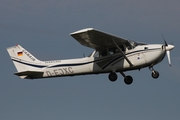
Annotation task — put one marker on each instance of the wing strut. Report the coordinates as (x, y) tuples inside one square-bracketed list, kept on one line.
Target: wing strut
[(122, 53)]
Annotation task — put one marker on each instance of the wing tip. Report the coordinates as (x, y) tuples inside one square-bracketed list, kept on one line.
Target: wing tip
[(81, 31)]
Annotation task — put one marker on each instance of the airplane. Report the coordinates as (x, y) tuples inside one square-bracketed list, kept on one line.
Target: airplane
[(111, 54)]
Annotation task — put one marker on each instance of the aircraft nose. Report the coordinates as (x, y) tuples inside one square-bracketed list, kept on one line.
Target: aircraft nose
[(169, 47)]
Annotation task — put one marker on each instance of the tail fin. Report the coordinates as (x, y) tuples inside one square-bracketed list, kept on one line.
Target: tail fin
[(23, 60)]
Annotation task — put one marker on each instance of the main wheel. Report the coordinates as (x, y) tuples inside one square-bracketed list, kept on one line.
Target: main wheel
[(112, 76), (128, 80), (155, 74)]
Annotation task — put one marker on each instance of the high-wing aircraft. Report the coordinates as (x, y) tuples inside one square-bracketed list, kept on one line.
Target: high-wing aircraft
[(111, 54)]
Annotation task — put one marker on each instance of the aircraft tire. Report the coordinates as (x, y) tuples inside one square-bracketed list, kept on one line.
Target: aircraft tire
[(155, 74), (128, 80), (113, 76)]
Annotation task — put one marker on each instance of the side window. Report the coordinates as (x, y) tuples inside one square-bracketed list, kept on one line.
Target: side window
[(101, 53), (115, 50)]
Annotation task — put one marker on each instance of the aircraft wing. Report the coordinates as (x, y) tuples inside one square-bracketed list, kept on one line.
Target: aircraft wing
[(96, 39)]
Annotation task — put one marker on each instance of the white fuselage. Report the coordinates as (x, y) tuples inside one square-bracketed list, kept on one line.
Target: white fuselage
[(141, 56)]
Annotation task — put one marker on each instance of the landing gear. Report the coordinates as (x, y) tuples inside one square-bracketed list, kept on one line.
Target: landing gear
[(127, 79), (154, 74), (112, 76)]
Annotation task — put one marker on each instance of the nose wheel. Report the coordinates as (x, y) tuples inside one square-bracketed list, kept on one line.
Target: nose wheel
[(154, 74)]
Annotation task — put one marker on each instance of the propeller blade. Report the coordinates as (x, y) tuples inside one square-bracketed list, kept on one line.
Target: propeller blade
[(165, 43), (168, 56), (168, 48)]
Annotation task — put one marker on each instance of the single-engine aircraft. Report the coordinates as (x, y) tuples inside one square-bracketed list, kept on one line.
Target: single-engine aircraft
[(112, 54)]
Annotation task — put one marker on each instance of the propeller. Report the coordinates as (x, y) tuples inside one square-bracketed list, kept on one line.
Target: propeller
[(168, 56), (168, 48)]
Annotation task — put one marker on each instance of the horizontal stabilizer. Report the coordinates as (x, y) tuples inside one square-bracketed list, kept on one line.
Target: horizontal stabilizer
[(29, 74)]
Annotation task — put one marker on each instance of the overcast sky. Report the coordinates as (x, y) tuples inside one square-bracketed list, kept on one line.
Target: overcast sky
[(43, 28)]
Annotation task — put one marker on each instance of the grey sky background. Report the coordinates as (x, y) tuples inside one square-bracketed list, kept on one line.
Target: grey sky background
[(43, 28)]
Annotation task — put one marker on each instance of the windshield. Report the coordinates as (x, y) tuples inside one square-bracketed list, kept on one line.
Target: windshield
[(133, 43)]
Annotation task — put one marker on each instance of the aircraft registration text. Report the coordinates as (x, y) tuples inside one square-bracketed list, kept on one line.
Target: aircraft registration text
[(60, 71)]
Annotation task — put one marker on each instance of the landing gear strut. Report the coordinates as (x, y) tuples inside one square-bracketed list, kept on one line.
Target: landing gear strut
[(154, 74)]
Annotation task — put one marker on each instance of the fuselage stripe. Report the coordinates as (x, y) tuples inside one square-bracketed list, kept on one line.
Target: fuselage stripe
[(33, 65), (78, 64)]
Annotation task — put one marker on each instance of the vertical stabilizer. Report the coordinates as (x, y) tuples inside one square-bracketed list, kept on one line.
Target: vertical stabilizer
[(23, 60)]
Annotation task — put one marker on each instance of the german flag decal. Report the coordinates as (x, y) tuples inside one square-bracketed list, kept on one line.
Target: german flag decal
[(20, 53)]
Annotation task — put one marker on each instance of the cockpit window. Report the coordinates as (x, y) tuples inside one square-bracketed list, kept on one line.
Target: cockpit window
[(131, 44), (128, 46)]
